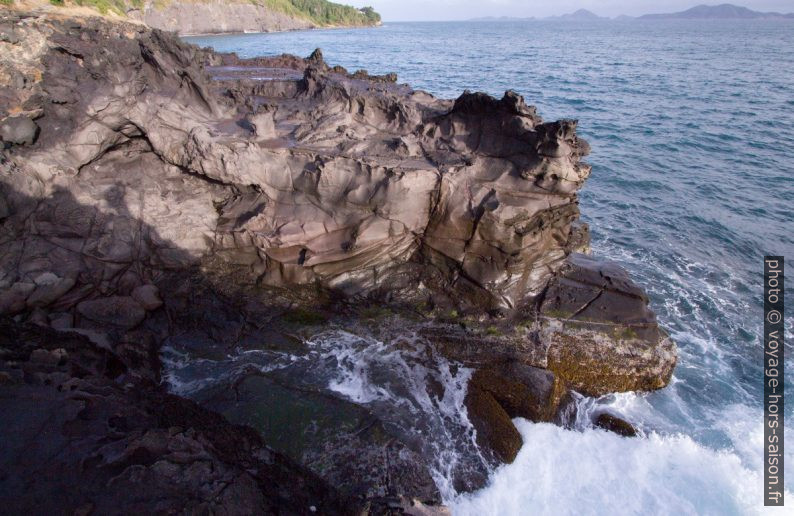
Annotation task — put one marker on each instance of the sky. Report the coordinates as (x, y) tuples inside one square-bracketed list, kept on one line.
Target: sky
[(428, 10)]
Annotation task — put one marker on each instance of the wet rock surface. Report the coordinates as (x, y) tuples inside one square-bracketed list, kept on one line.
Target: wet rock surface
[(615, 424), (177, 199), (602, 336), (111, 443)]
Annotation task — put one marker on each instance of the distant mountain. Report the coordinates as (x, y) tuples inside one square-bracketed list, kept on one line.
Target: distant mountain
[(580, 15), (500, 19), (700, 12), (716, 12)]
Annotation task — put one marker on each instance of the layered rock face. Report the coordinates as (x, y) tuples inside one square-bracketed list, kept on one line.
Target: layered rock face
[(339, 181), (151, 191)]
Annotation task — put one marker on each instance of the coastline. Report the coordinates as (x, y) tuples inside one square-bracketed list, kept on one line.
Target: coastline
[(165, 19), (317, 28)]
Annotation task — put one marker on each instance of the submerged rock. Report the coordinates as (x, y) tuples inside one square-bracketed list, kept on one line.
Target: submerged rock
[(148, 296), (339, 441), (615, 424)]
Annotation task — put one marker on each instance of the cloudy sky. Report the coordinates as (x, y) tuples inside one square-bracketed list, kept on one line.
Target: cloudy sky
[(417, 10)]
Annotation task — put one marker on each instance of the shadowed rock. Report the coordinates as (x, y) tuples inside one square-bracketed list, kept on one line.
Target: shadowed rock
[(114, 444)]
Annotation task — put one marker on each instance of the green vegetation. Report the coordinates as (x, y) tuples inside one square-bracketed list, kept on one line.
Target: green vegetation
[(302, 317), (104, 6), (323, 12), (493, 331), (6, 2), (320, 12), (557, 314), (375, 312), (626, 333)]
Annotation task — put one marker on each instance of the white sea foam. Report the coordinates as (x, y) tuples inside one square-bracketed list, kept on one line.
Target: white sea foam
[(402, 380), (596, 472), (409, 386)]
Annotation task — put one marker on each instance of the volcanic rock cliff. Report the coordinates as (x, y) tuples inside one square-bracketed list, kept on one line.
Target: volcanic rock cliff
[(153, 191)]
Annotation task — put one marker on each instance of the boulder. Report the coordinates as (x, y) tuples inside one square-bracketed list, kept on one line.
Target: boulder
[(13, 299), (61, 320), (148, 296), (120, 311), (522, 391), (599, 332), (49, 288), (615, 424), (498, 394), (495, 430)]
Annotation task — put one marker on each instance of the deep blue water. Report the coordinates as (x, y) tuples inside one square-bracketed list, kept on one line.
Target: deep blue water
[(692, 130)]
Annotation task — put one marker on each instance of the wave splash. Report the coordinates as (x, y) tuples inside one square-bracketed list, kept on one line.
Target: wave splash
[(596, 472)]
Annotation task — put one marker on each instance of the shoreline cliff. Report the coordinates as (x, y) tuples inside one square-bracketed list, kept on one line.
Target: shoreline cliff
[(214, 17), (157, 196)]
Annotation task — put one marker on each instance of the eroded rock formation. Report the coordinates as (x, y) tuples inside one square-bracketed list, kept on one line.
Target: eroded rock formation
[(314, 178), (151, 191)]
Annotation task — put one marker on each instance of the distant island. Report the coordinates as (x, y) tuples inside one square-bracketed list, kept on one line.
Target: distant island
[(700, 12), (580, 15), (716, 12)]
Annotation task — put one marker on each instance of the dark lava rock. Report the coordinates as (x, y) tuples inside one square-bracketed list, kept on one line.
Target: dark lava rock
[(615, 424), (602, 336), (122, 311), (498, 394), (495, 429), (336, 190)]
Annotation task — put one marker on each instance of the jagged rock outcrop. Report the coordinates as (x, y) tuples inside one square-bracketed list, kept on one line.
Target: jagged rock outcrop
[(353, 185), (151, 190)]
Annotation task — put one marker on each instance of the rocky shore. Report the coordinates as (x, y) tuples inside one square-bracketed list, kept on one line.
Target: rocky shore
[(156, 194)]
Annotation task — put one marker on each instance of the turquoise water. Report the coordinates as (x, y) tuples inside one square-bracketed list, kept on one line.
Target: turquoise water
[(692, 130)]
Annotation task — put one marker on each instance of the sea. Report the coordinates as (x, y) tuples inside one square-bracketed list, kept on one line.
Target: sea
[(691, 125)]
